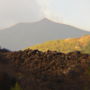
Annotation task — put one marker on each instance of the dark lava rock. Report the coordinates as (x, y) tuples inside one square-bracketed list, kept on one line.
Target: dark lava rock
[(6, 81), (51, 70)]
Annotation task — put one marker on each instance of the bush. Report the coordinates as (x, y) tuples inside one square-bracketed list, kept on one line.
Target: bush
[(17, 87)]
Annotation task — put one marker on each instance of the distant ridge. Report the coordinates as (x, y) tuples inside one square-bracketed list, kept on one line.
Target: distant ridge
[(66, 45), (26, 34)]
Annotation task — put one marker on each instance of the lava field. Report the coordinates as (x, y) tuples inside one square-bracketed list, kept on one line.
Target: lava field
[(51, 70)]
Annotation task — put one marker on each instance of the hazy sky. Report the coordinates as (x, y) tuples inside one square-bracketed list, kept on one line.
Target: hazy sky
[(71, 12), (16, 11)]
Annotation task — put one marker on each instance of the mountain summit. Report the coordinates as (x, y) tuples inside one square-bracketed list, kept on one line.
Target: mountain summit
[(26, 34)]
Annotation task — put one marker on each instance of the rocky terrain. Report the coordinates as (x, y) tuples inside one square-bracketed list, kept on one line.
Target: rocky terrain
[(51, 70)]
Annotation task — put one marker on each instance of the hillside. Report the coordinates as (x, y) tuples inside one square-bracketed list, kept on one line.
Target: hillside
[(26, 34), (67, 45), (35, 70)]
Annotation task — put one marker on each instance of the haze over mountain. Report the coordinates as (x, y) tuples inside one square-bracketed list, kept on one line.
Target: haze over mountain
[(27, 34)]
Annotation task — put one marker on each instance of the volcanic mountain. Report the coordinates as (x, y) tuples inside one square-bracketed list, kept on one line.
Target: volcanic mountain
[(26, 34), (66, 45)]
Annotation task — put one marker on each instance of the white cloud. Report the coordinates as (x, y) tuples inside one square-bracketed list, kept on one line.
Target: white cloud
[(72, 12)]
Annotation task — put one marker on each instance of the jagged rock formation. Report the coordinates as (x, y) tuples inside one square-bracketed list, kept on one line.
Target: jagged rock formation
[(51, 70)]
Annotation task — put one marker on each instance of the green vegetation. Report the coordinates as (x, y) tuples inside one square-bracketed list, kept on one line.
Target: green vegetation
[(17, 87), (68, 45)]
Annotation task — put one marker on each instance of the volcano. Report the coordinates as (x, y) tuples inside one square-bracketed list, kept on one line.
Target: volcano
[(26, 34)]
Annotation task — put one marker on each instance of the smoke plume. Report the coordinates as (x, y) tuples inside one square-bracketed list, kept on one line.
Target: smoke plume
[(71, 12)]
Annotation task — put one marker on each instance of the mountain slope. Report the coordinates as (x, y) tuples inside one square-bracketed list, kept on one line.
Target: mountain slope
[(26, 34), (66, 45)]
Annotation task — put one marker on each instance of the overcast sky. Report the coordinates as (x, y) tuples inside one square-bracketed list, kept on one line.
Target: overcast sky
[(18, 11), (71, 12)]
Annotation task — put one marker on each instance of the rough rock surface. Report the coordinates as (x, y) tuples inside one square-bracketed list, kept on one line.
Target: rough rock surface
[(35, 70)]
